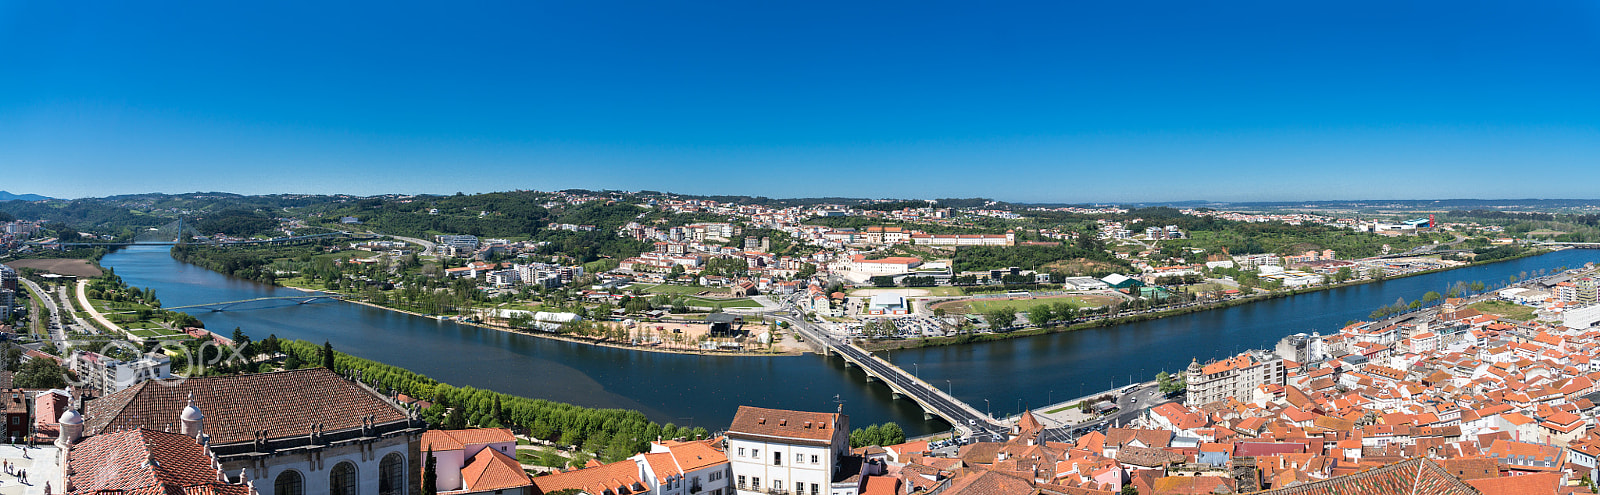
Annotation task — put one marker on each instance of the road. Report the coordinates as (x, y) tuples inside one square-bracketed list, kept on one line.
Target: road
[(57, 334), (427, 247)]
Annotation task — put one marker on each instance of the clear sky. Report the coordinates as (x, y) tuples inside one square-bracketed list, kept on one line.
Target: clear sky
[(1053, 101)]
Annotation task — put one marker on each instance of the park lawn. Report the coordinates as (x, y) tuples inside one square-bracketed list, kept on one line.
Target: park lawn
[(679, 289), (1021, 305), (945, 291), (744, 302), (1506, 309)]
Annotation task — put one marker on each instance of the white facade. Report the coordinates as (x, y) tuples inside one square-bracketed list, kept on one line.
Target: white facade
[(316, 469), (775, 451), (109, 375), (760, 467)]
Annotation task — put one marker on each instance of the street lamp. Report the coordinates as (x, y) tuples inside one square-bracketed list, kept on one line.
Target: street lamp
[(915, 371), (986, 409), (947, 389)]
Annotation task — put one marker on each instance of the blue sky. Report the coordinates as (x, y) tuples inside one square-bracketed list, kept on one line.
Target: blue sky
[(1047, 102)]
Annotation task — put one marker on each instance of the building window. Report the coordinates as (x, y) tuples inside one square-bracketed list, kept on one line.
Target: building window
[(799, 488), (813, 489), (392, 475), (741, 482), (741, 451), (755, 483), (289, 483), (756, 453), (342, 481), (799, 458), (813, 458), (777, 458), (777, 485)]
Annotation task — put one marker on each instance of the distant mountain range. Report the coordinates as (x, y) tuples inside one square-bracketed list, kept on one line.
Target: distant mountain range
[(6, 196)]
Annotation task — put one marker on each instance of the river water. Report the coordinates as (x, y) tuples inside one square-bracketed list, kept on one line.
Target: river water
[(707, 390)]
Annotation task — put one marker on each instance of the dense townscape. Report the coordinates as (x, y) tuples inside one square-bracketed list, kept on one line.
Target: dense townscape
[(1485, 388)]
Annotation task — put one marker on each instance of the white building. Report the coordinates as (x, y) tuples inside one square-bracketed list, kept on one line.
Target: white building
[(884, 266), (1234, 377), (686, 468), (781, 451), (109, 375)]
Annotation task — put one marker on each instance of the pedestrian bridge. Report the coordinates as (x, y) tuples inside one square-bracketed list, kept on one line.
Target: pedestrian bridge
[(225, 305)]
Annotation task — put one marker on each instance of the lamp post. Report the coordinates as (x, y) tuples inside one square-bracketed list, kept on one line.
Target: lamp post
[(947, 389), (986, 410), (915, 371)]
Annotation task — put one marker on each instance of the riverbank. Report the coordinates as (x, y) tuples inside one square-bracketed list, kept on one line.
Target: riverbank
[(973, 338), (562, 337)]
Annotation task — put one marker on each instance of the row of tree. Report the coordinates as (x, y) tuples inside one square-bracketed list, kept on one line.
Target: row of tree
[(613, 434)]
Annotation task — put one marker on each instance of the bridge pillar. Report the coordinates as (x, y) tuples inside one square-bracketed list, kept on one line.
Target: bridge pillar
[(871, 378), (848, 364), (896, 394)]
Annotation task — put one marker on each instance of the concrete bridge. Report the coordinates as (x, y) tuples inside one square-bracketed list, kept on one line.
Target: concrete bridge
[(933, 400)]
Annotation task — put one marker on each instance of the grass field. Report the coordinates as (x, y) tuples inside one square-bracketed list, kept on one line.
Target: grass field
[(1021, 305), (679, 289), (944, 291), (1506, 309), (726, 303)]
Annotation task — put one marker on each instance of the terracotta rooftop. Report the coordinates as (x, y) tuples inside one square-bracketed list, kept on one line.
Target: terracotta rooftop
[(441, 440), (597, 479), (1417, 476), (121, 462), (493, 470), (285, 403), (779, 423)]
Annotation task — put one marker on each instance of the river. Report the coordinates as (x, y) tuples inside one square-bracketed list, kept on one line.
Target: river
[(707, 390)]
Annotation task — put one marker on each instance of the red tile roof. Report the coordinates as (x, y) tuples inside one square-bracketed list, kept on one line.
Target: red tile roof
[(779, 423), (285, 403), (1417, 476), (595, 479), (1530, 484), (441, 440), (145, 462), (493, 470)]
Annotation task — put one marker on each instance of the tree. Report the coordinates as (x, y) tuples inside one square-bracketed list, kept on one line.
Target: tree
[(1041, 314), (938, 312), (1129, 489), (42, 373), (1344, 274), (891, 434), (430, 474), (1430, 296), (327, 355), (1000, 318), (457, 420)]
